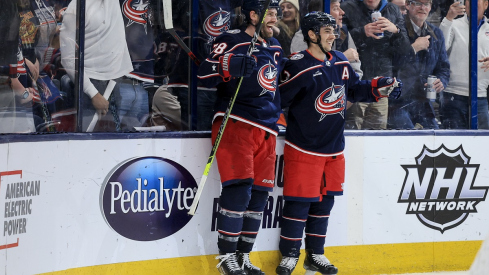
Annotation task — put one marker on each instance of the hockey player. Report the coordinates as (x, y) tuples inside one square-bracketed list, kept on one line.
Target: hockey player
[(246, 153), (316, 85)]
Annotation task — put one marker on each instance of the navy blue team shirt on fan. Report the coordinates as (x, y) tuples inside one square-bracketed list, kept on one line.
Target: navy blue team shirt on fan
[(139, 37), (216, 17), (316, 92), (258, 100)]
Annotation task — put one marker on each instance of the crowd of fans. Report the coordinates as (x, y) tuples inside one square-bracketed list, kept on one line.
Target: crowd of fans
[(136, 75)]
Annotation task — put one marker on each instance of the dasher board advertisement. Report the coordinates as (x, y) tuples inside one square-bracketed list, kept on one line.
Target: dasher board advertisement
[(78, 203)]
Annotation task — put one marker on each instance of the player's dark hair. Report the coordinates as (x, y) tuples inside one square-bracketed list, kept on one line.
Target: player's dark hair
[(257, 6), (315, 21)]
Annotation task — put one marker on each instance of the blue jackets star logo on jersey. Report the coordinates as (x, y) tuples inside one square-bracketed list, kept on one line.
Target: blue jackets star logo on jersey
[(136, 11), (217, 23), (266, 78), (331, 101)]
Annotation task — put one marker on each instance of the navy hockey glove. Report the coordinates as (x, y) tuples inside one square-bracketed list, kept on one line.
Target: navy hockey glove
[(236, 65), (386, 87)]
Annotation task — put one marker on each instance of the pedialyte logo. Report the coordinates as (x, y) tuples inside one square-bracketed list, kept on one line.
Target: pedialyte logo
[(147, 198), (440, 189)]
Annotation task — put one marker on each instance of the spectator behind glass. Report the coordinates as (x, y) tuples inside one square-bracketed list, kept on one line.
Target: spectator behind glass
[(454, 107), (39, 34), (216, 17), (166, 110), (13, 119), (288, 25), (133, 100), (376, 53), (106, 57), (343, 43), (401, 4), (427, 57)]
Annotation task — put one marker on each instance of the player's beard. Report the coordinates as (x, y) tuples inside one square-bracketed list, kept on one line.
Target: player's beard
[(266, 32)]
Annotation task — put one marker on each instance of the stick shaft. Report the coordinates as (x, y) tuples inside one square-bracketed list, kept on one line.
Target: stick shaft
[(168, 19), (184, 46), (107, 93)]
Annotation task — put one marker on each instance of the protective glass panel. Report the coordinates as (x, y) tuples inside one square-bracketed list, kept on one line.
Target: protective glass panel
[(32, 98)]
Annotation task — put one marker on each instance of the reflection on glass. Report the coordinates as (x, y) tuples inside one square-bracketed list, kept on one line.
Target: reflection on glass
[(424, 72), (150, 70), (454, 109)]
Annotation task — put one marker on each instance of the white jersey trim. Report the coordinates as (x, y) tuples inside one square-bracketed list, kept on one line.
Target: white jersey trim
[(248, 122), (186, 86), (207, 76), (312, 153), (234, 47), (140, 78), (301, 72)]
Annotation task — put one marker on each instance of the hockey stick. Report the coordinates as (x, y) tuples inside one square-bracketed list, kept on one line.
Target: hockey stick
[(210, 160), (107, 93), (167, 14)]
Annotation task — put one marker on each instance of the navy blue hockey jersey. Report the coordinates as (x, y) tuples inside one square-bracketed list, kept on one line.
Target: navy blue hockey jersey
[(216, 18), (258, 100), (316, 92), (137, 15)]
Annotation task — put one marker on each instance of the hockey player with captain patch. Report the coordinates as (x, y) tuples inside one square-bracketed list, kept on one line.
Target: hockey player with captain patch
[(246, 153), (315, 85)]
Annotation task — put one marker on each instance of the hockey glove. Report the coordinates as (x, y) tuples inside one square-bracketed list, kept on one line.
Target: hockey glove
[(236, 65), (386, 87)]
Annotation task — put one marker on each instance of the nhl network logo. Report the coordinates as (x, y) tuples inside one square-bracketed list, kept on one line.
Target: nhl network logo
[(440, 188)]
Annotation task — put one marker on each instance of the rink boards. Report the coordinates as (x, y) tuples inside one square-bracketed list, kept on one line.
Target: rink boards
[(111, 204)]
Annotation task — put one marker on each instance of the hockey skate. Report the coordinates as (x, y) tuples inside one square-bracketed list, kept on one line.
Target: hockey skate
[(228, 265), (318, 263), (286, 266), (245, 264)]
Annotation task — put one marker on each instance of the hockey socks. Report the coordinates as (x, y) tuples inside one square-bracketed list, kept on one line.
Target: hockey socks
[(311, 216), (252, 220), (317, 224), (293, 222), (233, 202)]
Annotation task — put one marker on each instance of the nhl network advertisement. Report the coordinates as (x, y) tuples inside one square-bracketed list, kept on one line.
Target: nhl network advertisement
[(440, 188)]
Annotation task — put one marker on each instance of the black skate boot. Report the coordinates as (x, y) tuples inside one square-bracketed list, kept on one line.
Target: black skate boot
[(229, 265), (286, 266), (245, 264), (318, 263)]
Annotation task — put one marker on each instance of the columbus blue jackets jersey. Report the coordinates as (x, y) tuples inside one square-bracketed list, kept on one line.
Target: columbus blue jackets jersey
[(170, 53), (316, 92), (216, 18), (258, 100), (137, 15)]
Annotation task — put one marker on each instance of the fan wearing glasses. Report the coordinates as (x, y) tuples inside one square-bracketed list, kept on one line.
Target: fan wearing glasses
[(428, 57)]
